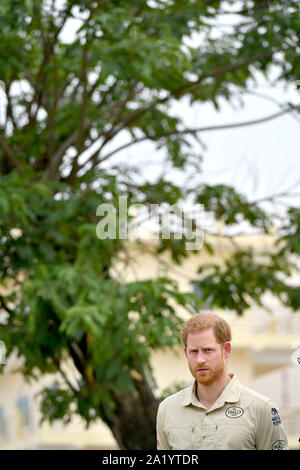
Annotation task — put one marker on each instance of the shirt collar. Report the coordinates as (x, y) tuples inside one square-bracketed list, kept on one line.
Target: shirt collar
[(230, 394)]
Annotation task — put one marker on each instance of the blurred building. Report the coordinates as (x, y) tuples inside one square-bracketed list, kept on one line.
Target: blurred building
[(264, 343)]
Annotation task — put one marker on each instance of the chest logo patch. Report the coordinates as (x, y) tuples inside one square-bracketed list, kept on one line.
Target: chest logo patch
[(234, 412)]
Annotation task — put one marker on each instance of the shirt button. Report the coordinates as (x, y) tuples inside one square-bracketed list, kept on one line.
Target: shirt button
[(203, 437)]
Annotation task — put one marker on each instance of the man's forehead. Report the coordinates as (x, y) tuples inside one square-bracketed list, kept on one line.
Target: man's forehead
[(201, 338)]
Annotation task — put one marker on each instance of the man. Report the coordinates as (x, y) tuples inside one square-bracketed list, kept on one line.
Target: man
[(216, 412)]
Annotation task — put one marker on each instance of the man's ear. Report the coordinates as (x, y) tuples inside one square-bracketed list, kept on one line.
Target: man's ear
[(185, 351), (227, 349)]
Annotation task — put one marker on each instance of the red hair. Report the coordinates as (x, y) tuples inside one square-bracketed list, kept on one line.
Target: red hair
[(204, 321)]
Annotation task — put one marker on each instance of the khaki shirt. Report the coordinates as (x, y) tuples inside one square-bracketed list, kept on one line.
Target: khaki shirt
[(240, 419)]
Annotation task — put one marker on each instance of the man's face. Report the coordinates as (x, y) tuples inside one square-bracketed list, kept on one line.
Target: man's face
[(206, 357)]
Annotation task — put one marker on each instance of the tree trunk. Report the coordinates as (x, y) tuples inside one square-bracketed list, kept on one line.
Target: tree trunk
[(133, 420), (133, 423)]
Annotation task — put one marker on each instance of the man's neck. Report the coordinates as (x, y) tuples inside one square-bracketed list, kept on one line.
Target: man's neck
[(208, 394)]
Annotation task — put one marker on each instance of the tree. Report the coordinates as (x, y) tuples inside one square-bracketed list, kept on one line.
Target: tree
[(67, 103)]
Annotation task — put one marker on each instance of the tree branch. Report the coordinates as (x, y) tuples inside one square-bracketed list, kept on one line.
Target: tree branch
[(105, 94), (117, 120), (192, 131), (83, 108), (4, 305), (41, 76), (262, 5), (75, 166), (10, 113), (230, 126), (51, 172), (51, 110), (10, 155), (57, 363), (222, 71), (291, 108), (190, 86), (246, 11)]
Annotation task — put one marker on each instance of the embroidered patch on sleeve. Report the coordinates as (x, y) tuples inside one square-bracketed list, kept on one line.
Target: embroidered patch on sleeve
[(279, 445), (275, 417)]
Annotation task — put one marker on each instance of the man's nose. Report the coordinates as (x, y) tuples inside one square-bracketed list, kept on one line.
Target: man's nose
[(201, 359)]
